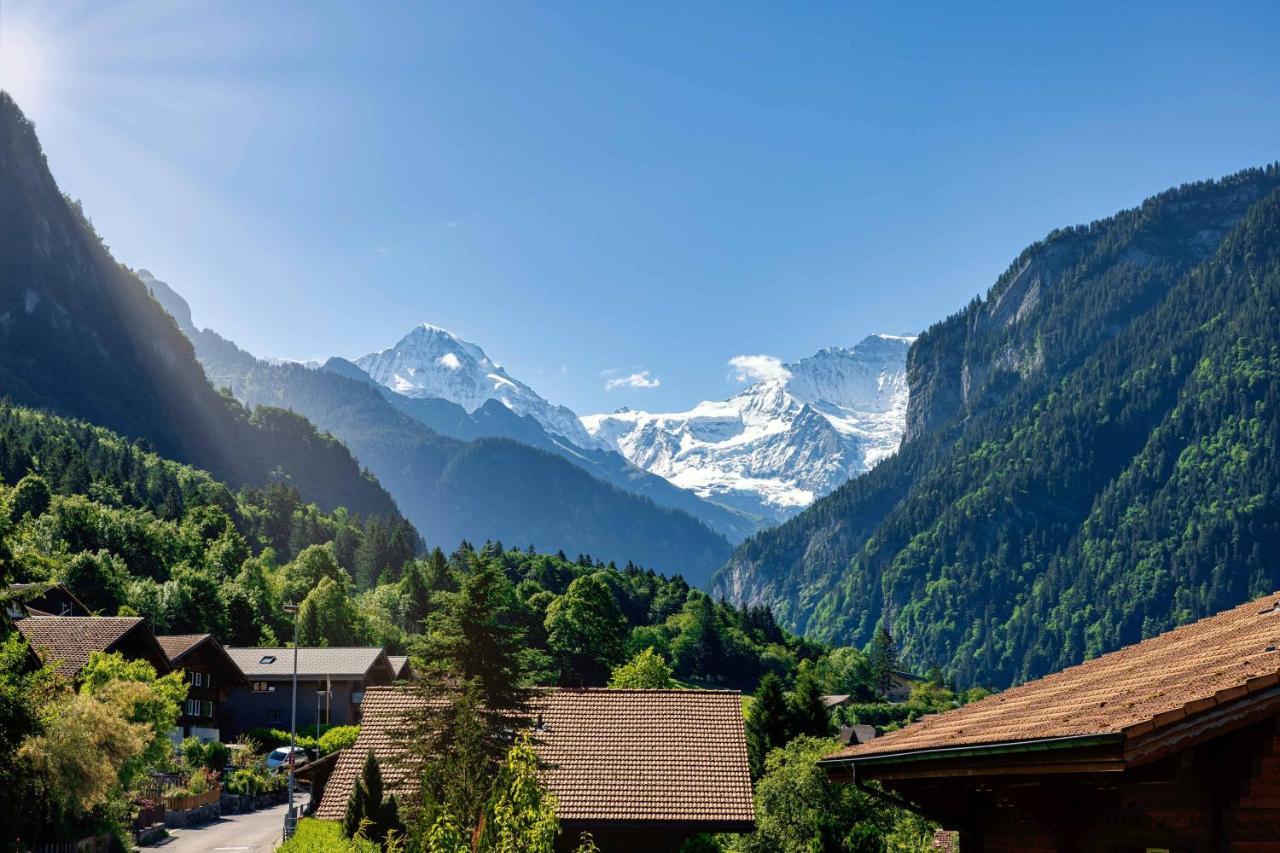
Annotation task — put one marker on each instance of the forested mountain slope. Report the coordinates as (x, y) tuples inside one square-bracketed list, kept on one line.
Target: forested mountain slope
[(80, 335), (1091, 453), (487, 489)]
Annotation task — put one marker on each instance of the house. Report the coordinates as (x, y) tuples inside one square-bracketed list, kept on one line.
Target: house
[(210, 675), (55, 600), (857, 733), (642, 770), (838, 700), (400, 666), (901, 684), (67, 641), (331, 685), (1170, 744)]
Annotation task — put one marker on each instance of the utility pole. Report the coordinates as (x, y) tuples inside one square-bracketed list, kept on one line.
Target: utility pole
[(290, 816)]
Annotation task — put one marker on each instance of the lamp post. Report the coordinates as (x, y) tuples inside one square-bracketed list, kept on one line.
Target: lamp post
[(291, 817)]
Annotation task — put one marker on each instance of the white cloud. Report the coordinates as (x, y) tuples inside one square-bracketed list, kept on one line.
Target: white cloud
[(639, 379), (450, 361), (758, 368)]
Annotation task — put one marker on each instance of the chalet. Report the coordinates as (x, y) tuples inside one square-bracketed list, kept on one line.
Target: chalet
[(210, 675), (29, 599), (331, 685), (1172, 744), (642, 770), (67, 641), (901, 684)]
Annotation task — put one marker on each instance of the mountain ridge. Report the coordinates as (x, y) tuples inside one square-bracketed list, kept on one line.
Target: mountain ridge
[(1043, 506)]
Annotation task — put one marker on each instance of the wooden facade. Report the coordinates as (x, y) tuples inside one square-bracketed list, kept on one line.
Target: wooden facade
[(210, 676), (1168, 746)]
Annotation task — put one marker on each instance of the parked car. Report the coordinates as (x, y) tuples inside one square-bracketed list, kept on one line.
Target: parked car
[(279, 758)]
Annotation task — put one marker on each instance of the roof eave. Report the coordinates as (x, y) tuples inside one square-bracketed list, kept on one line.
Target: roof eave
[(976, 750)]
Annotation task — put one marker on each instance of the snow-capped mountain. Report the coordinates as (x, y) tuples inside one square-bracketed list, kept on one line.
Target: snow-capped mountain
[(782, 442), (433, 362)]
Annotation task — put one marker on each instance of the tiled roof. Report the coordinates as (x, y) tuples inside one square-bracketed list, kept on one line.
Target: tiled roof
[(177, 645), (835, 699), (657, 756), (398, 663), (70, 640), (1130, 691), (351, 662)]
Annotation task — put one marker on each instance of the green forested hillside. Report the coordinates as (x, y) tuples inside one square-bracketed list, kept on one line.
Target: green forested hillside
[(1091, 454), (80, 335)]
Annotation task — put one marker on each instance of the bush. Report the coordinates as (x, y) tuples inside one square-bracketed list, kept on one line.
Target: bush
[(339, 737), (269, 739), (216, 756), (324, 836)]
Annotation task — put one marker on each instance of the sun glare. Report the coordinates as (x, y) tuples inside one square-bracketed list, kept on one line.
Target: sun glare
[(24, 62)]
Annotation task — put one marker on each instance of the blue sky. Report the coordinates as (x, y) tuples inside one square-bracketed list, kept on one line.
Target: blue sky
[(626, 187)]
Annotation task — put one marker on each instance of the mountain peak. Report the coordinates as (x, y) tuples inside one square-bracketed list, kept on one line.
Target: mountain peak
[(433, 363), (780, 442)]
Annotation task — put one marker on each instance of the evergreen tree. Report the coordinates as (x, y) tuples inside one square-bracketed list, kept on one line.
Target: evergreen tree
[(768, 722), (883, 659), (809, 714)]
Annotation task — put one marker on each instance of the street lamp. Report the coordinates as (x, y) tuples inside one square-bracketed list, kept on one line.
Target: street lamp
[(291, 817)]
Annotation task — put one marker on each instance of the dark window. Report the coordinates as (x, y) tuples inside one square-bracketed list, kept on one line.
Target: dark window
[(273, 714)]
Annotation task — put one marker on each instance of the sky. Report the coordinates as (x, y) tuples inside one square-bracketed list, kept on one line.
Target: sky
[(622, 203)]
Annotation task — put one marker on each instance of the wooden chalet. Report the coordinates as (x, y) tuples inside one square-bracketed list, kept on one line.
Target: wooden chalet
[(642, 770), (67, 641), (210, 675), (1172, 744), (30, 599)]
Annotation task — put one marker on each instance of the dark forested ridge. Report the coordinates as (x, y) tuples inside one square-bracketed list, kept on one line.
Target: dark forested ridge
[(81, 336), (1091, 453), (489, 488)]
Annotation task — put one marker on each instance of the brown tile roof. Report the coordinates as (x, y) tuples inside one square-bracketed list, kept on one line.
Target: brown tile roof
[(656, 756), (69, 640), (177, 645), (1130, 691)]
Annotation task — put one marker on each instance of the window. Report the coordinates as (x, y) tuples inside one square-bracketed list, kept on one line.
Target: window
[(208, 679), (197, 679), (206, 708), (198, 708), (263, 687), (273, 715), (268, 659)]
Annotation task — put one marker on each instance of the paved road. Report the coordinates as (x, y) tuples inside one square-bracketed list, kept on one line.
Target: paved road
[(256, 832)]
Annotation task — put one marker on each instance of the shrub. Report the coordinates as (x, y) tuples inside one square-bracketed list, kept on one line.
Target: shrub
[(339, 737), (324, 836), (216, 756)]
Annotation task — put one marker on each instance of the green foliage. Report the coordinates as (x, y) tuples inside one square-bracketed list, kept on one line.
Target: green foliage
[(809, 715), (883, 660), (338, 737), (325, 836), (369, 814), (521, 814), (147, 699), (645, 671), (585, 632), (798, 810), (1091, 459), (328, 617), (768, 722)]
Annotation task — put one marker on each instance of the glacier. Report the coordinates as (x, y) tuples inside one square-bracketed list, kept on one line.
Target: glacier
[(776, 446)]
